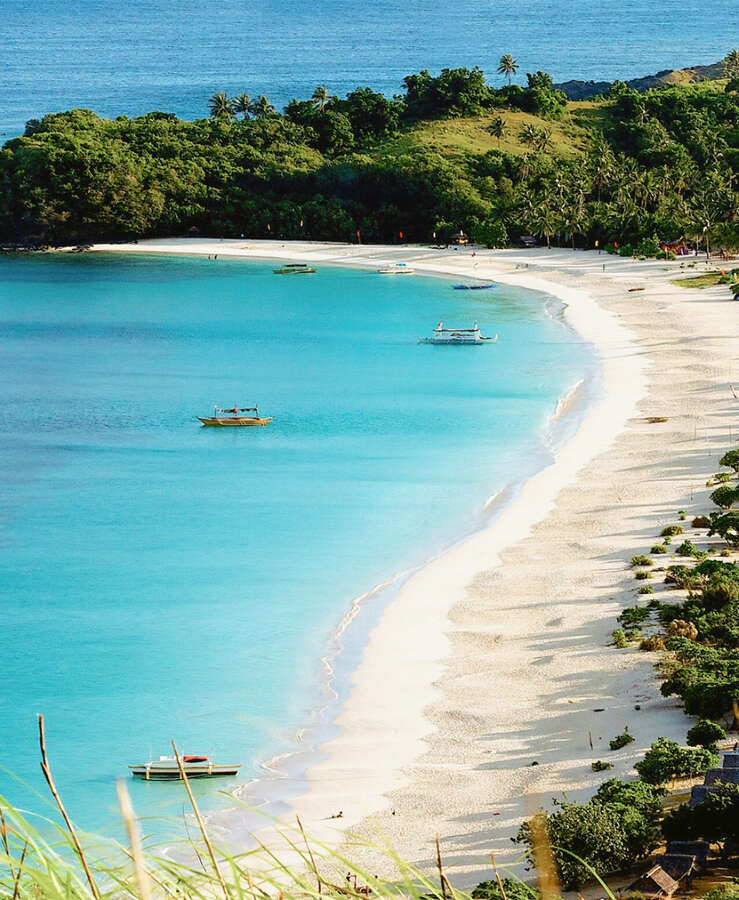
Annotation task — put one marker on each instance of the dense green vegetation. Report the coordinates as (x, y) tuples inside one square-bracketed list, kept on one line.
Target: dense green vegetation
[(449, 153)]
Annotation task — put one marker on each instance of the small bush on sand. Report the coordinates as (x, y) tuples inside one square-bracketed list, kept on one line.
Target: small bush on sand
[(701, 522), (600, 766), (634, 615), (667, 541), (688, 548), (642, 574), (619, 639), (621, 740), (658, 548), (681, 628), (646, 589), (651, 644), (671, 531), (682, 515), (641, 561)]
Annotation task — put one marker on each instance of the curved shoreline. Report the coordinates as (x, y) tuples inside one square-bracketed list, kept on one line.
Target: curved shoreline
[(481, 680)]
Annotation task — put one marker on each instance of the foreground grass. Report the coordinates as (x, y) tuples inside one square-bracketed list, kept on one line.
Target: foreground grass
[(706, 279)]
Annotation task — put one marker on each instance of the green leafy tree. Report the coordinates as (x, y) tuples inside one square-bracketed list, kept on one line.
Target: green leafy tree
[(666, 760), (725, 497), (715, 819), (730, 460), (706, 734), (731, 63), (261, 107)]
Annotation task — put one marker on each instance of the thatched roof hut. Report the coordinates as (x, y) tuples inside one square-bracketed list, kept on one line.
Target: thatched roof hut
[(656, 884)]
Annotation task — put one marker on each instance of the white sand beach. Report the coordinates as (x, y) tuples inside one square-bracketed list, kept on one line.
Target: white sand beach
[(496, 655)]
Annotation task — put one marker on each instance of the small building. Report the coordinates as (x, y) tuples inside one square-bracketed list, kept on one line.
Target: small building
[(699, 849), (461, 239), (656, 884), (682, 867), (527, 241)]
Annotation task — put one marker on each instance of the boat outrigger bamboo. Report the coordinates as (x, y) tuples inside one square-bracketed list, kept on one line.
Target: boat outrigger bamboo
[(472, 336), (166, 769), (233, 417), (295, 269)]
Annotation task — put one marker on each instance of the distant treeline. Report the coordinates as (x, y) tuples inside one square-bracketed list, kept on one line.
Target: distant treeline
[(660, 163)]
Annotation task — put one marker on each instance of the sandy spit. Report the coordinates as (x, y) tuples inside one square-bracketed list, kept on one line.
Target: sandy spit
[(496, 655)]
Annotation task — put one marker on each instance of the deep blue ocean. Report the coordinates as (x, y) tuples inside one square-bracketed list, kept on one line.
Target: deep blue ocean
[(162, 580), (133, 56)]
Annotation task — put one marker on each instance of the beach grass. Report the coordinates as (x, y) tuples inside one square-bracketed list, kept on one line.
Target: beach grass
[(706, 279)]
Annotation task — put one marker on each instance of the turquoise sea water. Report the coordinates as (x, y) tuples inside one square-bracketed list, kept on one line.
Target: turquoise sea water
[(163, 580), (135, 56)]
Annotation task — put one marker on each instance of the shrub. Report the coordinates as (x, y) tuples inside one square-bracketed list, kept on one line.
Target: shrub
[(688, 548), (646, 589), (682, 515), (655, 642), (626, 250), (666, 760), (600, 766), (721, 478), (706, 734), (667, 541), (621, 740), (641, 561), (619, 639), (642, 574), (681, 628), (671, 530), (715, 819), (633, 615), (513, 889), (701, 522), (658, 548)]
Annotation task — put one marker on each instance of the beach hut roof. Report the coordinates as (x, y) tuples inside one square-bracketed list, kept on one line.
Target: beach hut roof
[(655, 883), (678, 865), (699, 849)]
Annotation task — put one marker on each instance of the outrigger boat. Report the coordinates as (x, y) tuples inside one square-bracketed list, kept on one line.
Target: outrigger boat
[(474, 287), (233, 417), (472, 336), (295, 269), (166, 769), (396, 269)]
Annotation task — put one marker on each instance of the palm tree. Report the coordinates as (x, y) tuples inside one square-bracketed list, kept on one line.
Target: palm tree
[(542, 139), (527, 135), (497, 127), (508, 66), (320, 98), (220, 106), (241, 104), (261, 107), (731, 63)]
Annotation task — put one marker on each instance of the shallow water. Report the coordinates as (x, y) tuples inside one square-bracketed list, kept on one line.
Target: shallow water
[(136, 56), (163, 580)]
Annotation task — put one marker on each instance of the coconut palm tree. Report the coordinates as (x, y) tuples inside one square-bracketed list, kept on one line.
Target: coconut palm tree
[(731, 63), (240, 104), (542, 140), (320, 98), (261, 107), (508, 66), (527, 135), (497, 127), (220, 106)]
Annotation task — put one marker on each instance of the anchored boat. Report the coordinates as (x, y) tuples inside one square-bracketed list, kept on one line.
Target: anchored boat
[(474, 287), (234, 417), (295, 269), (472, 336), (166, 769)]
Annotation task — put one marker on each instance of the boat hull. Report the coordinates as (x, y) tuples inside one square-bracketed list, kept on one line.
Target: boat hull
[(294, 271), (459, 342), (172, 773), (234, 422)]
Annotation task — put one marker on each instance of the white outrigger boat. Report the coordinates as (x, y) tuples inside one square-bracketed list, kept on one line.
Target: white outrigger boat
[(396, 269), (166, 769), (472, 336)]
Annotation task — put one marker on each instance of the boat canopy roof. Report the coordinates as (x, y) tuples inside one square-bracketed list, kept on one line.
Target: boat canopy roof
[(440, 327), (237, 409)]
